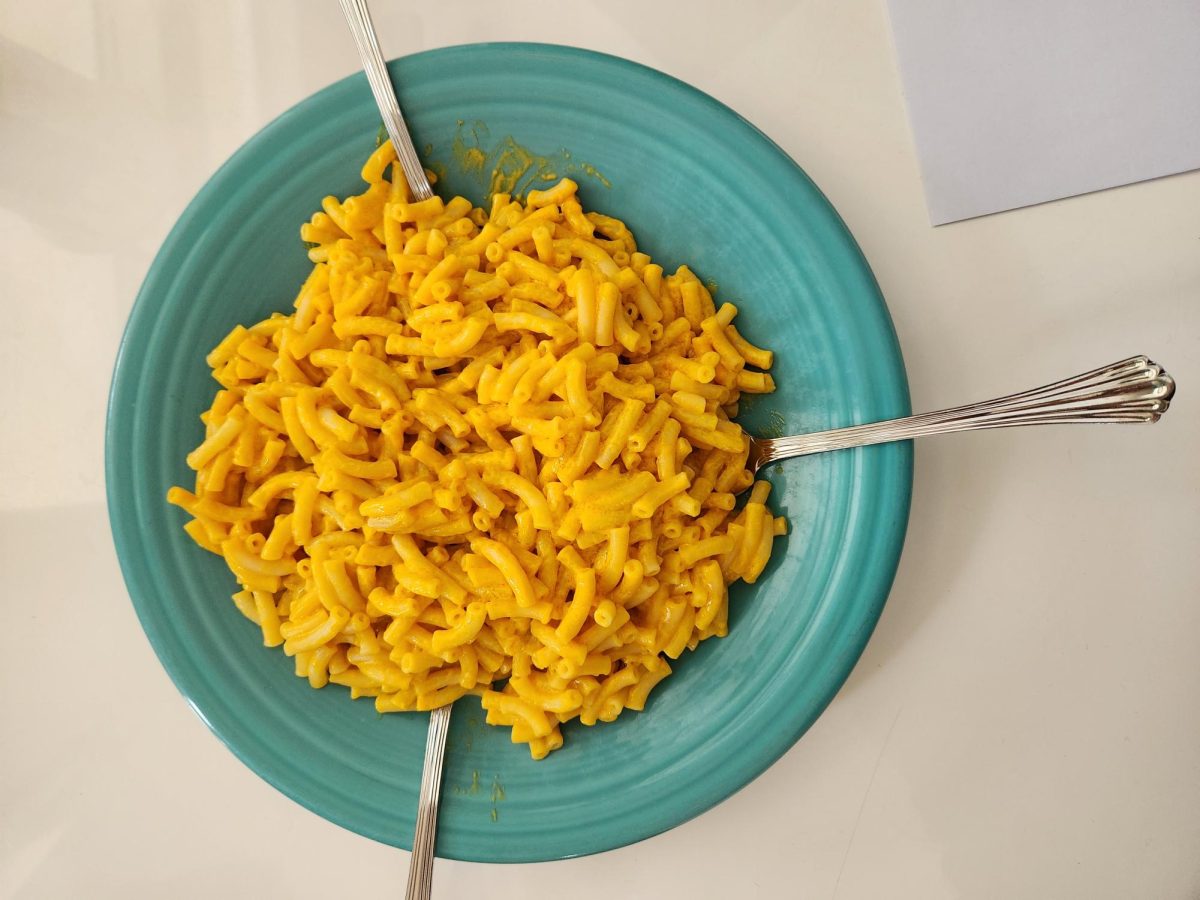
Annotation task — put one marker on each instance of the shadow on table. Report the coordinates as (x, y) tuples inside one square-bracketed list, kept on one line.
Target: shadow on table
[(954, 487)]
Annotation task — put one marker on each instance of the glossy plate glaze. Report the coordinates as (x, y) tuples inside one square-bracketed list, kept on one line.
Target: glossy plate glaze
[(697, 184)]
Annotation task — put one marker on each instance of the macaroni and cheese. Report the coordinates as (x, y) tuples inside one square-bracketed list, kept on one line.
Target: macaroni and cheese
[(489, 452)]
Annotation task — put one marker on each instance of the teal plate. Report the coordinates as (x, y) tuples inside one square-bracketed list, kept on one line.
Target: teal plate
[(697, 184)]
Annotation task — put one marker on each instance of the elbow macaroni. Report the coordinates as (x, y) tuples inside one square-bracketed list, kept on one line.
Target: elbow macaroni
[(487, 448)]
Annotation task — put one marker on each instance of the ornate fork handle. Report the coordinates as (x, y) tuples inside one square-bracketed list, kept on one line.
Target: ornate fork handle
[(1135, 390)]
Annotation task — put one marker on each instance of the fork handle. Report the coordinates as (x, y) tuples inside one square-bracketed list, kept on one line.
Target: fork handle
[(420, 867), (1135, 390), (358, 17)]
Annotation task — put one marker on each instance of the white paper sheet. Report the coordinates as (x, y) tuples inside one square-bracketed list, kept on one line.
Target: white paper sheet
[(1015, 102)]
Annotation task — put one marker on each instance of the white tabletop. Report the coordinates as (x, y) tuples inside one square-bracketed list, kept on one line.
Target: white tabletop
[(1024, 722)]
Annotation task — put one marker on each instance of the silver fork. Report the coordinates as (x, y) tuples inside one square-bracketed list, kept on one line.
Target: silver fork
[(1135, 390), (358, 17)]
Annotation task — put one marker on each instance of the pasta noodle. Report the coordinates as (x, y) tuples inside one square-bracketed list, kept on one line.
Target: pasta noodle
[(488, 452)]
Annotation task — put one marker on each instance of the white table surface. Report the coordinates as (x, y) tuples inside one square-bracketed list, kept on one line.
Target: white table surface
[(1026, 719)]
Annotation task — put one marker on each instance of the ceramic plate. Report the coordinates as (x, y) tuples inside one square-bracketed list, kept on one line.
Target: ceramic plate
[(697, 184)]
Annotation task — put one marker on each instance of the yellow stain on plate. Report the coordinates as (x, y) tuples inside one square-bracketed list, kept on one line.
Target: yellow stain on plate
[(473, 789), (776, 425), (592, 172), (497, 797), (506, 167)]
